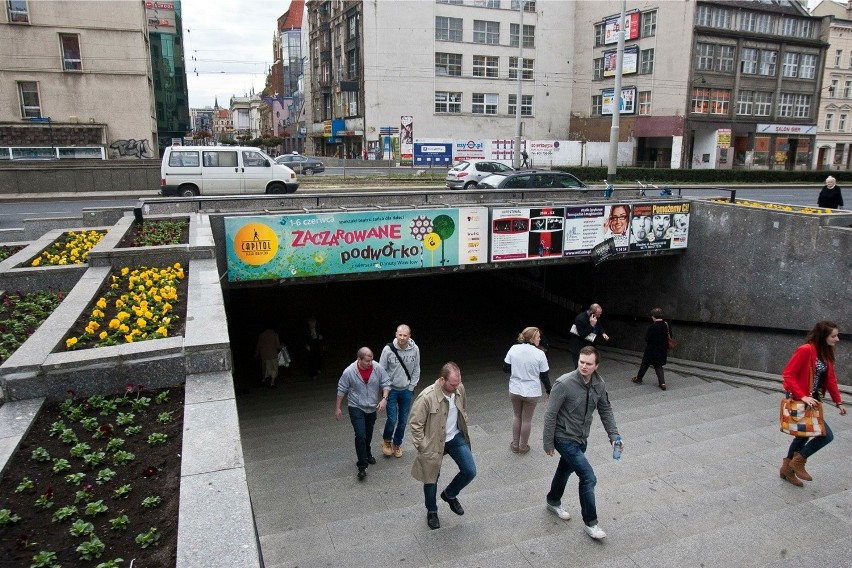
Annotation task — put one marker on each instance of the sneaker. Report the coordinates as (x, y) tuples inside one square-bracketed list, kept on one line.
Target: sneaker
[(559, 511), (362, 473), (387, 448), (397, 451), (595, 532)]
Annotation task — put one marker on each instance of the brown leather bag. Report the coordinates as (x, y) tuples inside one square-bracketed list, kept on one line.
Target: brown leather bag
[(671, 341)]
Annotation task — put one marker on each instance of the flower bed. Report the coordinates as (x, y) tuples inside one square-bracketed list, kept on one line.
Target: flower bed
[(72, 248), (136, 305), (8, 250), (157, 232), (96, 480), (20, 316), (779, 207)]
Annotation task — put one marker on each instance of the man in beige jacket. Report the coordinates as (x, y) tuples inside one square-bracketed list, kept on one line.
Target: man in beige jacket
[(438, 426)]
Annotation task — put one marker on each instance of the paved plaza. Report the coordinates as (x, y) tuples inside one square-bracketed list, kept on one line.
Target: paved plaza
[(698, 483)]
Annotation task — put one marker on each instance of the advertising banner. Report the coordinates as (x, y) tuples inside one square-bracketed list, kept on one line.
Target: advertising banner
[(469, 150), (628, 66), (659, 226), (524, 234), (628, 100), (406, 140), (321, 244), (631, 27), (433, 153)]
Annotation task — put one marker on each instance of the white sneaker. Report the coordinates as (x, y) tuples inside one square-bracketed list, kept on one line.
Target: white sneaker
[(560, 512), (595, 532)]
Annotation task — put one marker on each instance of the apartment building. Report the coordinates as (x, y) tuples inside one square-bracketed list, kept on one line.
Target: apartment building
[(75, 81), (287, 99)]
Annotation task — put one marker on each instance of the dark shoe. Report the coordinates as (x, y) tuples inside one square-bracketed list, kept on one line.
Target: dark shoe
[(523, 449), (371, 460), (513, 447), (454, 504), (432, 521), (273, 386), (637, 380), (663, 386), (362, 472)]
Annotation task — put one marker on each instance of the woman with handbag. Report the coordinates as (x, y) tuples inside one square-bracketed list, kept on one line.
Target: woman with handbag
[(656, 348), (808, 374), (528, 370)]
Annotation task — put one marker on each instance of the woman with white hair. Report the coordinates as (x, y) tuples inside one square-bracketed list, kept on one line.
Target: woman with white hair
[(830, 196)]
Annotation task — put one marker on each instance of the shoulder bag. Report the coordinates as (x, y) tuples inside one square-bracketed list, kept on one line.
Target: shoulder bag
[(800, 420), (670, 341), (398, 358)]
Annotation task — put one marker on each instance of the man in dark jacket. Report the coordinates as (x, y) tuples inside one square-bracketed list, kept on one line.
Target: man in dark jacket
[(587, 327), (567, 422), (830, 195)]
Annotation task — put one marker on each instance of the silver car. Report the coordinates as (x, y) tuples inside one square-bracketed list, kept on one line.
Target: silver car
[(466, 174)]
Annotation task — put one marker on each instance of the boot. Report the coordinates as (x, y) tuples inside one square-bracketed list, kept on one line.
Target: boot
[(797, 464), (787, 473)]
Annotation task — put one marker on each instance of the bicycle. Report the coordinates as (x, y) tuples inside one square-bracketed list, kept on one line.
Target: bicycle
[(665, 191)]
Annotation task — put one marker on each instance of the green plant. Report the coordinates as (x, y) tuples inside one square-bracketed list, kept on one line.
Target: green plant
[(7, 517), (89, 423), (114, 444), (81, 528), (76, 413), (79, 450), (125, 418), (122, 492), (162, 397), (109, 407), (75, 478), (152, 501), (122, 457), (103, 431), (132, 430), (95, 508), (60, 465), (157, 438), (148, 537), (81, 495), (92, 548), (104, 475), (119, 523), (21, 315), (45, 500), (25, 484), (94, 459), (56, 428), (44, 559), (110, 563), (68, 436), (64, 513), (40, 454), (164, 417), (140, 403)]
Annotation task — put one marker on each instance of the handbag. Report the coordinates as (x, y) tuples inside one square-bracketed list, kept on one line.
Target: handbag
[(800, 420), (284, 357), (670, 341)]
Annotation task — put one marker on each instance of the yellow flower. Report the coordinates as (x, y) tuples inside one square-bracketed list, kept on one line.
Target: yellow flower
[(128, 338), (70, 342), (141, 323), (123, 328), (162, 331), (167, 321), (119, 304), (36, 262), (114, 323), (124, 271), (176, 265), (122, 316), (103, 335), (102, 303)]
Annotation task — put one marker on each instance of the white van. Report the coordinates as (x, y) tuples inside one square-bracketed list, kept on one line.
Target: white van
[(222, 170)]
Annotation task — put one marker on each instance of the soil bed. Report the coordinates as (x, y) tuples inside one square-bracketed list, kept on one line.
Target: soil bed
[(156, 232), (154, 471)]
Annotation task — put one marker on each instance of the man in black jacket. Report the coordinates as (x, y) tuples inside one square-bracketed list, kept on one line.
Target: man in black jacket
[(586, 329)]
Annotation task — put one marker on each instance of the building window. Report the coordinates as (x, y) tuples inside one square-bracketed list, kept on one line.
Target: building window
[(785, 105), (790, 68), (644, 102), (847, 89), (527, 73), (803, 107), (725, 58), (807, 69), (832, 90), (700, 100), (487, 3), (720, 101), (597, 68), (646, 61), (768, 62), (702, 15), (526, 105), (838, 57), (448, 29), (451, 2), (748, 22), (486, 32), (649, 23), (597, 105), (722, 18), (748, 61), (841, 126), (529, 35), (485, 103), (828, 119), (762, 103), (352, 63), (30, 106), (485, 66), (71, 60), (18, 11), (765, 24), (704, 56), (448, 64), (600, 31), (529, 5), (744, 102), (352, 103), (789, 26), (448, 102), (806, 29), (352, 27)]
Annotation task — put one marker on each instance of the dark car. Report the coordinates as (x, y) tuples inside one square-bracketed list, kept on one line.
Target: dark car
[(307, 165), (532, 179), (468, 173)]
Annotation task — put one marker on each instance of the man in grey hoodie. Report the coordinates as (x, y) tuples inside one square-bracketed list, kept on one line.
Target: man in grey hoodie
[(567, 422), (401, 359)]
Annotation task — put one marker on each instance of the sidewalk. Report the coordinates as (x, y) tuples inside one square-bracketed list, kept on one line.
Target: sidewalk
[(698, 484)]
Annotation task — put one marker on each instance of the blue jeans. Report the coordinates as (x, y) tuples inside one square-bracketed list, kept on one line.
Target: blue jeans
[(460, 452), (572, 458), (399, 405), (362, 423), (809, 446)]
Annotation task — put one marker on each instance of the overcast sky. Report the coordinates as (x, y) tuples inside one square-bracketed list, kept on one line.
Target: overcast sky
[(231, 41)]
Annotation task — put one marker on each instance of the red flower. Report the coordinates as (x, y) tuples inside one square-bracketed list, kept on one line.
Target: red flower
[(22, 541), (88, 487), (128, 387), (149, 471), (105, 429), (48, 494), (72, 393)]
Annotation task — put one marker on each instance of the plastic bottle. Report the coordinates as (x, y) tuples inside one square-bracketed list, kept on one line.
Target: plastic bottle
[(616, 448)]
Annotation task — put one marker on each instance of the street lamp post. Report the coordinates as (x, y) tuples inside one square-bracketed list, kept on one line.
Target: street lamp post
[(616, 100)]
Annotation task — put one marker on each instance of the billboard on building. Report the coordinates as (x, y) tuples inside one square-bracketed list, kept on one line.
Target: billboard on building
[(631, 27), (161, 17), (628, 66), (628, 101), (526, 234), (659, 226)]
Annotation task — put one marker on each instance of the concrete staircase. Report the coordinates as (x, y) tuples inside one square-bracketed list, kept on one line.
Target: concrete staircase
[(698, 483)]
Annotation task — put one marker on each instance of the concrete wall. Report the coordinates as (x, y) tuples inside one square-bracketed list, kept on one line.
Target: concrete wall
[(50, 177)]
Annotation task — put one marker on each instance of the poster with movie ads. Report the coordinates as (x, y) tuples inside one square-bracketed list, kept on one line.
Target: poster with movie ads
[(584, 228), (659, 226), (510, 234), (546, 232)]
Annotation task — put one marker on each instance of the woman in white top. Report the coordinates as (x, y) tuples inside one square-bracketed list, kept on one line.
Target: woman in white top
[(528, 370)]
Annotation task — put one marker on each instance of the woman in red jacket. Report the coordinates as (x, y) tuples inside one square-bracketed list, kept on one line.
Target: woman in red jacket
[(813, 359)]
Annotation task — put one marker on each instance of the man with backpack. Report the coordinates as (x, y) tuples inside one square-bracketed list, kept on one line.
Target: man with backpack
[(401, 359)]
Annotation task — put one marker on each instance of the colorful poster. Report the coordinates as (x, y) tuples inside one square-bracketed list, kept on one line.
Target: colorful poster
[(628, 64), (468, 150), (659, 226), (628, 101), (406, 140), (321, 244), (584, 228), (525, 234), (612, 27)]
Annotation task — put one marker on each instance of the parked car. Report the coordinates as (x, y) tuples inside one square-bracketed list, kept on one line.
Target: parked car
[(222, 170), (302, 164), (468, 173), (530, 179)]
